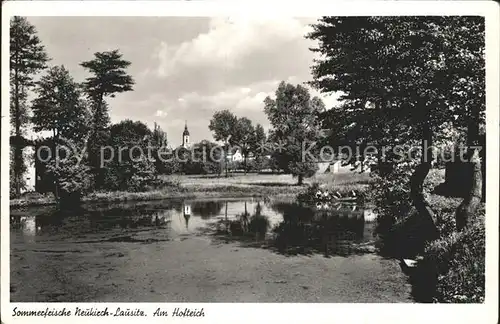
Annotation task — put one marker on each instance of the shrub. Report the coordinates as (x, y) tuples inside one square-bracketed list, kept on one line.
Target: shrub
[(72, 180), (460, 262)]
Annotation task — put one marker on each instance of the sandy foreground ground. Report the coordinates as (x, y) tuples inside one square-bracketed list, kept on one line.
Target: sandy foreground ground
[(193, 269)]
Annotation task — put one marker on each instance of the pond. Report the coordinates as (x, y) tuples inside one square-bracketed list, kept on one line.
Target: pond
[(129, 251)]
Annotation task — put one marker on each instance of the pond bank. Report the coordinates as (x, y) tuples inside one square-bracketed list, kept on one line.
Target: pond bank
[(189, 188), (121, 196)]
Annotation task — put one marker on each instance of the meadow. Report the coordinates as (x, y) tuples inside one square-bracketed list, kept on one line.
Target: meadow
[(236, 185)]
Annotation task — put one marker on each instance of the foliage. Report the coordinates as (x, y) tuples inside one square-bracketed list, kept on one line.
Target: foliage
[(108, 77), (72, 177), (59, 107), (16, 183), (422, 51), (421, 89), (460, 260), (27, 58), (223, 125), (203, 158), (244, 135), (402, 80), (130, 167), (294, 117), (70, 174), (258, 140)]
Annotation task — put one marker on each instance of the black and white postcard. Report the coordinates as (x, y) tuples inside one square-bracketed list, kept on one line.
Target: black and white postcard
[(226, 162)]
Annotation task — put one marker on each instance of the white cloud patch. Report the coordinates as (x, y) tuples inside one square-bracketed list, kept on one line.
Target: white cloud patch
[(228, 41), (161, 114)]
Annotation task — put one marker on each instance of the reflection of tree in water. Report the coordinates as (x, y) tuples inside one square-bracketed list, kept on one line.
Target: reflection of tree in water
[(246, 224), (140, 216), (207, 209), (97, 219), (308, 230)]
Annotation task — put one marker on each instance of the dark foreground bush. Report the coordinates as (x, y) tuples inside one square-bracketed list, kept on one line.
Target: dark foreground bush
[(460, 265)]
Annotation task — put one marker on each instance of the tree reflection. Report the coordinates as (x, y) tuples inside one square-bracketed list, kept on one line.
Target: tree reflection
[(207, 209), (328, 230)]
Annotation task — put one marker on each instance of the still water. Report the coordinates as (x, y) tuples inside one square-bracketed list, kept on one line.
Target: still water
[(96, 253), (148, 222)]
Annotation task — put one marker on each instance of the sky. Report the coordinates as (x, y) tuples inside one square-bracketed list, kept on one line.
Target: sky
[(187, 68)]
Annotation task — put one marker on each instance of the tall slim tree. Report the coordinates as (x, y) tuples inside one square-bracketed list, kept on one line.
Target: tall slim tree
[(108, 77), (27, 58)]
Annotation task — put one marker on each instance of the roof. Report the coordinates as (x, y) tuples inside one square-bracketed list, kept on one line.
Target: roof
[(186, 132)]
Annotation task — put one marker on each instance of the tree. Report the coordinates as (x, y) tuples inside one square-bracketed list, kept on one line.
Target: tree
[(257, 147), (294, 118), (72, 178), (27, 58), (59, 107), (129, 166), (223, 125), (159, 143), (108, 77), (204, 158), (245, 137), (414, 73)]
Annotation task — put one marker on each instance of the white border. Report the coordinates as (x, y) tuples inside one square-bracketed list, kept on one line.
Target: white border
[(296, 313)]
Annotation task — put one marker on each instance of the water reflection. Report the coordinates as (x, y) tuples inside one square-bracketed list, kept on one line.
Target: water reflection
[(331, 230), (289, 227), (207, 209)]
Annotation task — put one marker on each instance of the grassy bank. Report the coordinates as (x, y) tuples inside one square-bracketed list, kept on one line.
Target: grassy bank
[(451, 268), (235, 186)]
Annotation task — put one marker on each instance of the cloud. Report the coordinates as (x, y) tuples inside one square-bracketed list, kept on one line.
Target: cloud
[(228, 42), (161, 114), (186, 68)]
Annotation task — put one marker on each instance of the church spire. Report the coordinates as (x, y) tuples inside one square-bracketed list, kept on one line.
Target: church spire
[(185, 136)]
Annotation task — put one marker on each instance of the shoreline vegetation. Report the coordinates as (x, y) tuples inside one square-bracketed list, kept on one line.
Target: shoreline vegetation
[(266, 186)]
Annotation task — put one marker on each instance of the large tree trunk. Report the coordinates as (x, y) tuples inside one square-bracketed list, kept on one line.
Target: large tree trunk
[(416, 186), (471, 202)]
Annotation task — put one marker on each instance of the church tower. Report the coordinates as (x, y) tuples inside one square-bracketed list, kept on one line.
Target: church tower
[(185, 137)]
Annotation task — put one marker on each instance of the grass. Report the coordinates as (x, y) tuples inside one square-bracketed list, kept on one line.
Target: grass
[(203, 186), (451, 268)]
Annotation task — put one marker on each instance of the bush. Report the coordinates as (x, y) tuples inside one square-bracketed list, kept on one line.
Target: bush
[(72, 180), (460, 262)]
